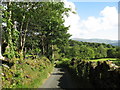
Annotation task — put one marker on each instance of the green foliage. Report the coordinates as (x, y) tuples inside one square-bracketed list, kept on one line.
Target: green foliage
[(10, 34), (27, 74), (118, 52), (86, 50), (117, 62), (73, 51), (63, 62), (36, 51), (40, 31), (39, 27), (111, 53)]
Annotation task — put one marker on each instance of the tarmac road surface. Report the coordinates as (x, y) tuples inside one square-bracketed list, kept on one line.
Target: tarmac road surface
[(60, 78)]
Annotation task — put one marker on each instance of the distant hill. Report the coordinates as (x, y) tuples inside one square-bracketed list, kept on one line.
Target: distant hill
[(106, 41)]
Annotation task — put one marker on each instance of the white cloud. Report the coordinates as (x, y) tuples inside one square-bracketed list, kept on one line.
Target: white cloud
[(73, 20), (105, 26)]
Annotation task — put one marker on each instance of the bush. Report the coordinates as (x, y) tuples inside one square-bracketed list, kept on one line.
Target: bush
[(27, 74)]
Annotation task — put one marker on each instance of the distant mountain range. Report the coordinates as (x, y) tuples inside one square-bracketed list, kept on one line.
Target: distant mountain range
[(106, 41)]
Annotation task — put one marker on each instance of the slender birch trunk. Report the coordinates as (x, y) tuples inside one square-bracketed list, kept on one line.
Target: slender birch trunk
[(1, 57), (24, 37), (53, 56)]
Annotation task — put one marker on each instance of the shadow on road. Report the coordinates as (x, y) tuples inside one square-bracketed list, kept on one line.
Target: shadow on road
[(62, 78), (70, 81), (66, 81)]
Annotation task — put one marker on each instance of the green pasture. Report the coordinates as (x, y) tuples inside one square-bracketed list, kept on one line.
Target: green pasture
[(114, 60), (104, 59)]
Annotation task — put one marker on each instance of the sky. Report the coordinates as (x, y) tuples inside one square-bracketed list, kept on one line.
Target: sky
[(93, 20)]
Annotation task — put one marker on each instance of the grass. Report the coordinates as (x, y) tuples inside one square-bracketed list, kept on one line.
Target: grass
[(104, 59), (27, 74), (114, 60), (39, 78)]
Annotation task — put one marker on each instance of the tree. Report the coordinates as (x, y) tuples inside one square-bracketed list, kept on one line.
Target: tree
[(118, 52), (109, 46), (1, 57), (100, 52), (86, 52), (74, 51), (22, 13), (111, 53), (47, 23), (9, 31)]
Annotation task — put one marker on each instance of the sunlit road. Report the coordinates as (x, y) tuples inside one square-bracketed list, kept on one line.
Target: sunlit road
[(60, 78)]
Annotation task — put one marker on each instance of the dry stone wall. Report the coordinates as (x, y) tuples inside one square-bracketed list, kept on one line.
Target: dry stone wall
[(102, 74)]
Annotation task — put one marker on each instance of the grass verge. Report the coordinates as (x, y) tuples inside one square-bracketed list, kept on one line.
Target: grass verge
[(29, 73)]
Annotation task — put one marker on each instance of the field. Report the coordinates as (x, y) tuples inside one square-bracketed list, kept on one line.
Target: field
[(114, 60), (104, 59)]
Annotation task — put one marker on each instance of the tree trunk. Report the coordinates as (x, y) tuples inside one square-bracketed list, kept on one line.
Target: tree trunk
[(23, 39), (47, 51), (1, 57), (43, 46), (53, 56)]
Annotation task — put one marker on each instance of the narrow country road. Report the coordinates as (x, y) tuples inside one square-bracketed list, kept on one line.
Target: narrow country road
[(60, 78)]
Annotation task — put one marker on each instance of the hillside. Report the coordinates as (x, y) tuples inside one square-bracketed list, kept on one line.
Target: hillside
[(106, 41)]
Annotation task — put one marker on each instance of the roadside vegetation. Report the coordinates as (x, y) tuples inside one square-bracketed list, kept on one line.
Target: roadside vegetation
[(29, 73)]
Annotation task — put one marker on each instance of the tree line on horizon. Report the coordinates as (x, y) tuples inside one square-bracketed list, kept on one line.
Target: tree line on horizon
[(88, 50)]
